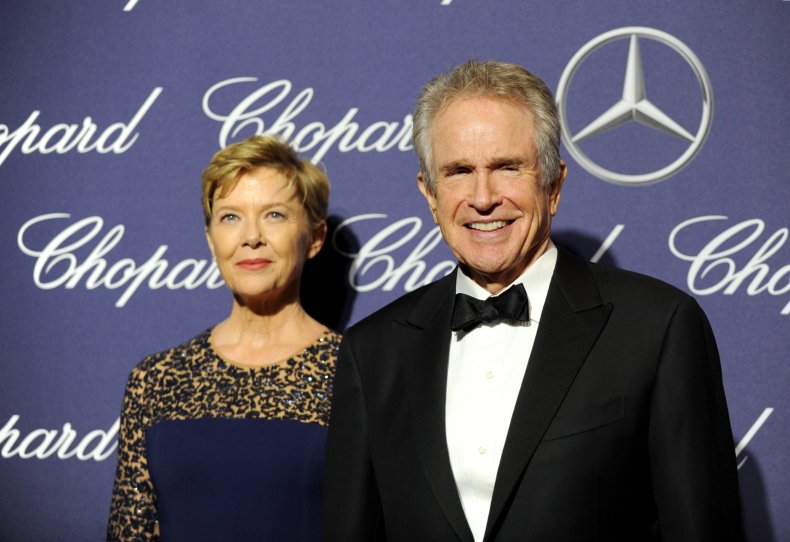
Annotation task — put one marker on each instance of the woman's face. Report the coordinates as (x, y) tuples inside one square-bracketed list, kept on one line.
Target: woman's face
[(259, 235)]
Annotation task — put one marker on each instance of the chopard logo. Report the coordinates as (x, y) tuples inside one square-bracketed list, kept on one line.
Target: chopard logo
[(714, 268), (62, 138), (315, 137), (375, 265), (61, 263), (62, 444), (634, 106)]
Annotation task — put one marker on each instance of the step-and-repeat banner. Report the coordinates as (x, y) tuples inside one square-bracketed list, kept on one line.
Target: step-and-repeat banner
[(675, 126)]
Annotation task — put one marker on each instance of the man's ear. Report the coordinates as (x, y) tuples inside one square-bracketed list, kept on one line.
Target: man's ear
[(556, 188), (319, 236), (427, 194)]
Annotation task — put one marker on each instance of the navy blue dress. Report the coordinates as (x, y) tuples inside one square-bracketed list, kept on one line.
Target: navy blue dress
[(213, 451)]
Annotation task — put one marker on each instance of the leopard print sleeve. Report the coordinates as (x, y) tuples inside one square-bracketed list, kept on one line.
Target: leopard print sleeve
[(133, 506)]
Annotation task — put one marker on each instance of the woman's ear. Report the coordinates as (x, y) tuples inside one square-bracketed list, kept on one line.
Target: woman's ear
[(319, 236)]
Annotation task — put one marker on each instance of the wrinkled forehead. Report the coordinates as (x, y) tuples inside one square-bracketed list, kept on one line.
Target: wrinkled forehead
[(482, 127)]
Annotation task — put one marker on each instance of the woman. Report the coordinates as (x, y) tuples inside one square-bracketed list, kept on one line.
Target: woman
[(222, 438)]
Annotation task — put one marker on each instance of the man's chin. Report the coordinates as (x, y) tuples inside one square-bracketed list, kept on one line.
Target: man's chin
[(488, 275)]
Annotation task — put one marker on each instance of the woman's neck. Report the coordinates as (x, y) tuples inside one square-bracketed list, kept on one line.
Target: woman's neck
[(258, 336)]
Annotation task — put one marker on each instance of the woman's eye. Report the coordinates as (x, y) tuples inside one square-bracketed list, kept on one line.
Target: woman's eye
[(276, 215), (228, 217)]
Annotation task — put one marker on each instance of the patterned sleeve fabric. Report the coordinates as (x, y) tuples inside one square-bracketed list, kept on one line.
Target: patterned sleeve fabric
[(133, 507), (190, 382)]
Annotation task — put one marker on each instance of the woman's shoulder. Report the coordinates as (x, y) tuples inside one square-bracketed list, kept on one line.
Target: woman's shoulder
[(174, 360), (330, 340), (323, 351)]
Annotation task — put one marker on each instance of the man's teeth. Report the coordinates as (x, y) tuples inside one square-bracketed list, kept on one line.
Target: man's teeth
[(488, 226)]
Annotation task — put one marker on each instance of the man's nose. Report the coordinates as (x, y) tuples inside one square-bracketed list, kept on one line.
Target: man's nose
[(484, 193)]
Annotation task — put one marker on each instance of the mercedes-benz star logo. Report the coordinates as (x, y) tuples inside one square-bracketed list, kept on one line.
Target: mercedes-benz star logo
[(634, 105)]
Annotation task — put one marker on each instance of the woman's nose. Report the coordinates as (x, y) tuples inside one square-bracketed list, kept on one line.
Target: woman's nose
[(253, 235)]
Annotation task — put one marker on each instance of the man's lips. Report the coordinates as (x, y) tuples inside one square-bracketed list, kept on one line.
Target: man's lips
[(488, 226), (253, 264)]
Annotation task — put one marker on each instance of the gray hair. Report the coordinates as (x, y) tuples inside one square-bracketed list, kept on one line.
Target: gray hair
[(500, 81)]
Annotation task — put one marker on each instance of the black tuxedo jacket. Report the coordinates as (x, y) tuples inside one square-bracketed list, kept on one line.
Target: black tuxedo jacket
[(620, 431)]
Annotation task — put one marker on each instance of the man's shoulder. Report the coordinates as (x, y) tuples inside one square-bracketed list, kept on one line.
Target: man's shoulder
[(400, 309), (623, 279), (623, 285)]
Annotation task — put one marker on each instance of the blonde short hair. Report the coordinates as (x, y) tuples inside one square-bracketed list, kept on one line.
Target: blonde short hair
[(228, 165)]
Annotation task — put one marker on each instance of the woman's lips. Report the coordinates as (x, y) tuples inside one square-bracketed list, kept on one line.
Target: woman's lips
[(253, 264)]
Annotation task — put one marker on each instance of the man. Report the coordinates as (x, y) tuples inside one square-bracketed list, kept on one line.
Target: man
[(589, 408)]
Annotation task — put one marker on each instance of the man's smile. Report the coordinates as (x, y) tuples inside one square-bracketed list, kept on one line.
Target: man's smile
[(489, 226)]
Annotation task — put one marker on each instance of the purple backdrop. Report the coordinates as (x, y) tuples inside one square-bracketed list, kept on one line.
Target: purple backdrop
[(109, 110)]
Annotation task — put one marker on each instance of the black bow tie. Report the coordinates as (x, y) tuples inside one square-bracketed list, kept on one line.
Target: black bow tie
[(469, 312)]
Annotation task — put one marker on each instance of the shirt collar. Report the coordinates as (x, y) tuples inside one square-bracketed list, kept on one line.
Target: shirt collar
[(536, 279)]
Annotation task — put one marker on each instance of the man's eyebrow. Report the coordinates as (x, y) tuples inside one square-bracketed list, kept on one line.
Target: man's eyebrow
[(501, 161), (495, 163), (452, 166)]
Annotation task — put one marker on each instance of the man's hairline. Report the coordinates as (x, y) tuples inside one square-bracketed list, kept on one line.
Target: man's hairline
[(462, 95)]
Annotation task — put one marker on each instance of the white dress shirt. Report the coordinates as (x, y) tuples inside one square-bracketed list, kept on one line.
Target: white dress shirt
[(485, 371)]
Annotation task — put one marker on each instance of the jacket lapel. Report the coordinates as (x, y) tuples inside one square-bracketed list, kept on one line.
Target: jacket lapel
[(427, 349), (573, 318)]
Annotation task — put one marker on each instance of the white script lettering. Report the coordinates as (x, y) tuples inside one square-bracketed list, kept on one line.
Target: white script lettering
[(43, 443), (713, 270), (315, 136), (57, 264), (62, 138), (374, 266)]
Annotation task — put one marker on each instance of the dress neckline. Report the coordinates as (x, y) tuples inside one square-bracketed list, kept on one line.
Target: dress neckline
[(290, 361)]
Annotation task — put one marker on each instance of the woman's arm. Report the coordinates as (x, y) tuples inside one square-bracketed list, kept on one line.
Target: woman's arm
[(133, 507)]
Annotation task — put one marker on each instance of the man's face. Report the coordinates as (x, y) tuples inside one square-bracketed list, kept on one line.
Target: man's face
[(489, 203)]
